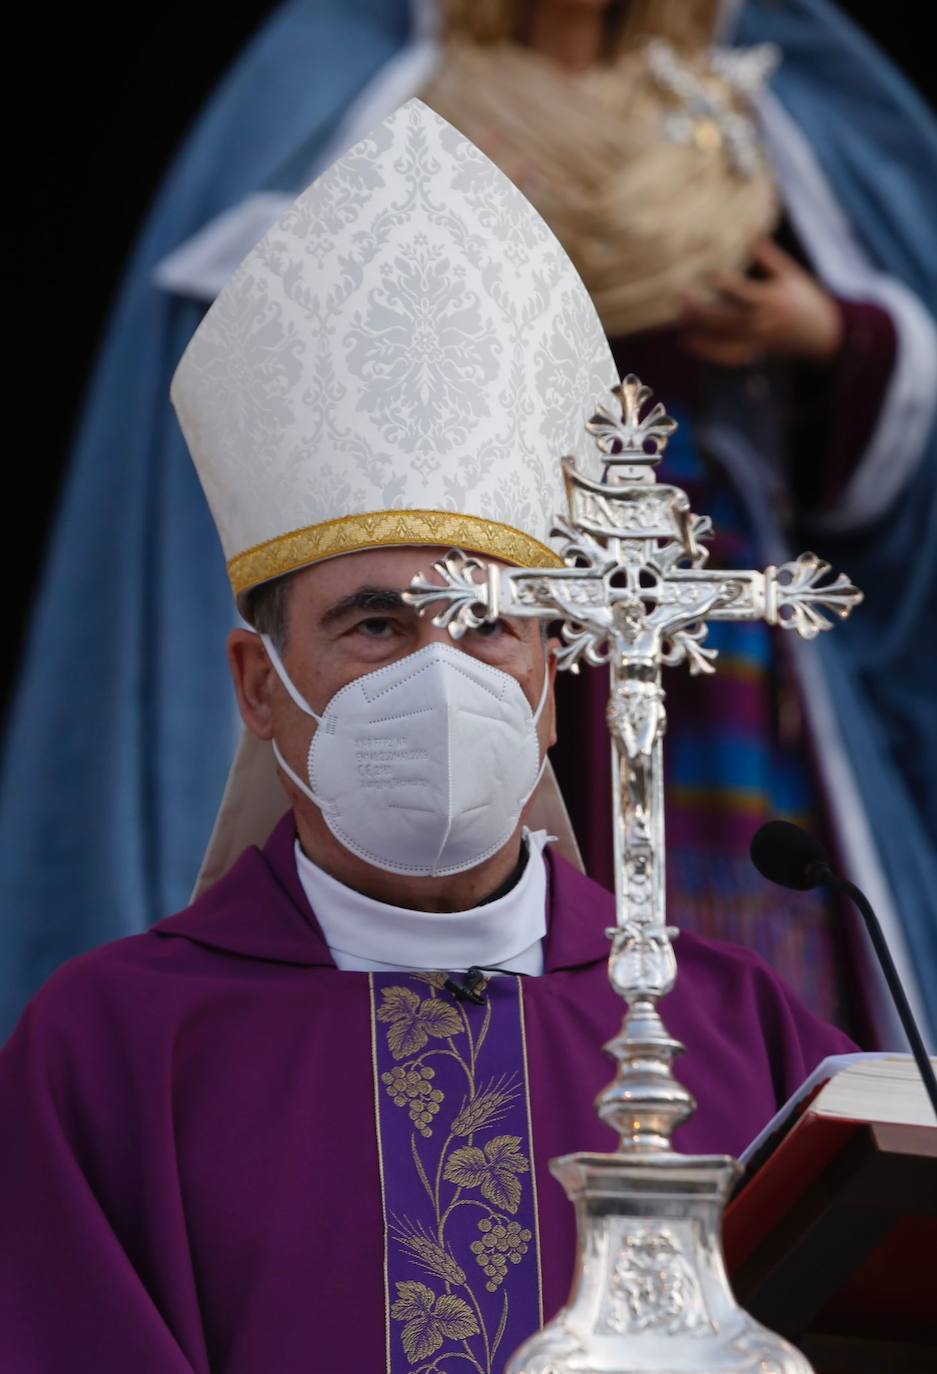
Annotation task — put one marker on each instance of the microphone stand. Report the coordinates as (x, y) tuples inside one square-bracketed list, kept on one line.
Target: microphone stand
[(819, 873)]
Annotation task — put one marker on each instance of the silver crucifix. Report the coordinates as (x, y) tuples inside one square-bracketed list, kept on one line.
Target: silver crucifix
[(650, 1290), (634, 593)]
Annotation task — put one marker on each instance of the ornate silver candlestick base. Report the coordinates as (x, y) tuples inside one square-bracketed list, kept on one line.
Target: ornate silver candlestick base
[(650, 1294)]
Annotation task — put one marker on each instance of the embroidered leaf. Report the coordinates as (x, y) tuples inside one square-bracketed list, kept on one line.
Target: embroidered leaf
[(467, 1167), (412, 1022), (405, 1038), (502, 1153), (397, 1002), (492, 1170), (430, 1320), (502, 1189), (505, 1160), (456, 1317), (421, 1336), (413, 1300), (439, 1017)]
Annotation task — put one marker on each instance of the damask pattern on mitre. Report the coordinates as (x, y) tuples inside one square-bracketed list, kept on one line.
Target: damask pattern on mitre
[(410, 337)]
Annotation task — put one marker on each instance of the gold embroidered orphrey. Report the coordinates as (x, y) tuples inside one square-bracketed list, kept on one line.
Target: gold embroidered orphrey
[(634, 593), (462, 1256)]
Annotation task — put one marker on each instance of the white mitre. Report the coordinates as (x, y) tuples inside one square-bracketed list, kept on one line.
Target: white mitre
[(403, 359)]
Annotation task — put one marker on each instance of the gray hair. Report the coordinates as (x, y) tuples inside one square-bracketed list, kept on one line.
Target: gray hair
[(267, 609)]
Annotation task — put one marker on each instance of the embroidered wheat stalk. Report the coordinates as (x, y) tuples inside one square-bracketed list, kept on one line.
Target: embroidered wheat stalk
[(432, 1257), (485, 1107)]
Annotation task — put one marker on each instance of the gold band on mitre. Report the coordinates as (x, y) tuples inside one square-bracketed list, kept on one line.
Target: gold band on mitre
[(386, 529)]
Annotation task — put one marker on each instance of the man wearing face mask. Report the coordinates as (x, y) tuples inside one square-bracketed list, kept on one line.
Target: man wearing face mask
[(305, 1123), (417, 771)]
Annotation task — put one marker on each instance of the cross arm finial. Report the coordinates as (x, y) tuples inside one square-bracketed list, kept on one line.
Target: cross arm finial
[(796, 596)]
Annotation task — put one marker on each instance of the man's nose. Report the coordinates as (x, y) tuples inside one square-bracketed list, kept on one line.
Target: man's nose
[(428, 633)]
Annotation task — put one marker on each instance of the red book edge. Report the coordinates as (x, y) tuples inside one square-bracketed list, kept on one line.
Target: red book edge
[(791, 1167)]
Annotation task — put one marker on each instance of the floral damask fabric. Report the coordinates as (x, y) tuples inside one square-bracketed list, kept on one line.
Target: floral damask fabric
[(460, 1211), (409, 336)]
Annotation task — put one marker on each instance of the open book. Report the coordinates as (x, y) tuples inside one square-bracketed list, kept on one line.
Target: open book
[(831, 1237), (883, 1087)]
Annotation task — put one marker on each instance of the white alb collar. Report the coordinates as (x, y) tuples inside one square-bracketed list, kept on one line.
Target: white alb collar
[(365, 934)]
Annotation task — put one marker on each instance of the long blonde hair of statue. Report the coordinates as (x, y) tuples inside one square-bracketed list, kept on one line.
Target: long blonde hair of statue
[(645, 219)]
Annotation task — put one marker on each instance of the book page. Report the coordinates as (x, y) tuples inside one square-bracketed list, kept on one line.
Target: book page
[(827, 1069)]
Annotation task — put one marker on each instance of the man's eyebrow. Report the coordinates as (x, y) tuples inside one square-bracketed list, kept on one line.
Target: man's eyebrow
[(373, 599)]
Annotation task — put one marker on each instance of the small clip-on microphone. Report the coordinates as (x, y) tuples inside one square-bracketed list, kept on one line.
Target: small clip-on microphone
[(472, 990), (787, 855)]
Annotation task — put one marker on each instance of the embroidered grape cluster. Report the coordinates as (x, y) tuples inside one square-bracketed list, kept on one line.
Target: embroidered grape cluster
[(502, 1242), (413, 1088)]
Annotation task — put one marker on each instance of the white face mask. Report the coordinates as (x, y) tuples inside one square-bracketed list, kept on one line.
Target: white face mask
[(424, 766)]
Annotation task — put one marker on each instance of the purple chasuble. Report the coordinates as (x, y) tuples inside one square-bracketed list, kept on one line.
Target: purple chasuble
[(190, 1161)]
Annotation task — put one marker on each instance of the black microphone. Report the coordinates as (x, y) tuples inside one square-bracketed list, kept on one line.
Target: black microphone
[(472, 990), (787, 855)]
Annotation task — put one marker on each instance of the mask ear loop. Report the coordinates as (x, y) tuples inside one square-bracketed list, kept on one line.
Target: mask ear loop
[(280, 669), (536, 719), (543, 691)]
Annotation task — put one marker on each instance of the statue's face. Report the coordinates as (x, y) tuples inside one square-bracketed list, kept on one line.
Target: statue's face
[(497, 18), (540, 5), (529, 9)]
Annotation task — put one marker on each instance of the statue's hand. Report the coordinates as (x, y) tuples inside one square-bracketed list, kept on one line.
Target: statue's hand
[(785, 313)]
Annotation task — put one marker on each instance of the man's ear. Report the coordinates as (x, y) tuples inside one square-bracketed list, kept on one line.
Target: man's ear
[(254, 681)]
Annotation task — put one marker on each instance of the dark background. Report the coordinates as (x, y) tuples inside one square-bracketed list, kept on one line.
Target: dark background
[(101, 108)]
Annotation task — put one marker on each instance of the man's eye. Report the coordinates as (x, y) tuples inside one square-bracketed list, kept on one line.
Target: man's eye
[(376, 627), (490, 629)]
